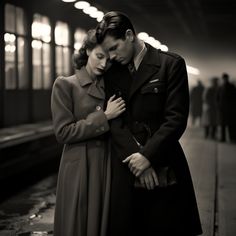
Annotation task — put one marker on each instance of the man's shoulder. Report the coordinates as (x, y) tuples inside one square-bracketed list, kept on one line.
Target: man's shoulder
[(169, 54)]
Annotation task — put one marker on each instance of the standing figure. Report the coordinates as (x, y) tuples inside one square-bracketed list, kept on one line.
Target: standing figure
[(227, 113), (152, 191), (196, 102), (83, 188), (210, 119)]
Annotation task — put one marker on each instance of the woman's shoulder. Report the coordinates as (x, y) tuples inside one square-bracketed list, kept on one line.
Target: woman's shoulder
[(64, 82), (65, 79)]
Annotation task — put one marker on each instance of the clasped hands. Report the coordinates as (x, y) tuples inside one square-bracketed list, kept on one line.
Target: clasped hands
[(140, 166)]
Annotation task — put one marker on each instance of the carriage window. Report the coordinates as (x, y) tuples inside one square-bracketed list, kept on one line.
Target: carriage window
[(63, 52), (79, 37), (16, 71), (22, 59), (10, 61), (10, 18), (41, 34)]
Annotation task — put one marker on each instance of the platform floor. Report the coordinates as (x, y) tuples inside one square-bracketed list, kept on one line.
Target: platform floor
[(213, 168)]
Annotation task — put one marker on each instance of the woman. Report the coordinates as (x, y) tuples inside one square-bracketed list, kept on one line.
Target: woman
[(82, 200)]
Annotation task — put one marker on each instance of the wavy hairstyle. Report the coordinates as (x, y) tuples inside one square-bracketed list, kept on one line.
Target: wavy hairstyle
[(90, 42), (115, 24)]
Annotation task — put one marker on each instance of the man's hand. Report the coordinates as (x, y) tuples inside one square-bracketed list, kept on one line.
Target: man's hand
[(149, 178), (137, 163)]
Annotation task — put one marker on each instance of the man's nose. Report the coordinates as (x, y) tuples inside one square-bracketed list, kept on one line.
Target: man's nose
[(112, 56)]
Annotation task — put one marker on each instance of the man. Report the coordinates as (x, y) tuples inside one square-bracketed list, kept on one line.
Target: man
[(152, 191), (227, 114), (196, 102)]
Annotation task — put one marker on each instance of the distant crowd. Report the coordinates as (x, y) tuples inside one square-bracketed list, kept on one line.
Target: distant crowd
[(214, 108)]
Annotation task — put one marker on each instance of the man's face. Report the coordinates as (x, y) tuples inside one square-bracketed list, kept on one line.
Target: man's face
[(120, 50)]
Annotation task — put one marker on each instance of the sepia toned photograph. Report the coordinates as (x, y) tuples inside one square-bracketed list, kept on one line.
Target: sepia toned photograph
[(117, 118)]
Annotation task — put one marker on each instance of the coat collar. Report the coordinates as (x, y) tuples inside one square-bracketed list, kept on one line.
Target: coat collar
[(152, 56), (149, 66), (95, 87)]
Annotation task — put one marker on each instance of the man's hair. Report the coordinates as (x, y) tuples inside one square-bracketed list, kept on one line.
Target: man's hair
[(90, 42), (114, 24)]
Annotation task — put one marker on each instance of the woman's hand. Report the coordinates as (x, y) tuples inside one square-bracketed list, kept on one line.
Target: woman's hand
[(114, 107)]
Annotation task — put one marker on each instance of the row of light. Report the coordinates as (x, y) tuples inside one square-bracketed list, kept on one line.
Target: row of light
[(192, 70), (95, 13), (88, 9), (10, 42), (9, 38), (152, 41)]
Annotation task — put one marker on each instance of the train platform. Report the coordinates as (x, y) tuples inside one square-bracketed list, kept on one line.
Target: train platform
[(212, 165)]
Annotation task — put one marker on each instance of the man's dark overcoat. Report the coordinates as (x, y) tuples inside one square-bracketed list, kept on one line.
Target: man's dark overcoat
[(157, 101)]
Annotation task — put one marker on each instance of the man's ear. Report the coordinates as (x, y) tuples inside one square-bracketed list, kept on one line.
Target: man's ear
[(88, 52), (129, 35)]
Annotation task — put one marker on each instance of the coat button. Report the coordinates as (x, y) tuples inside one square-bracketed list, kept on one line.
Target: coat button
[(98, 108), (155, 90)]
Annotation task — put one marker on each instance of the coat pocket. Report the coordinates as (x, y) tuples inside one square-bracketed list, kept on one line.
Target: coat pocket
[(154, 87)]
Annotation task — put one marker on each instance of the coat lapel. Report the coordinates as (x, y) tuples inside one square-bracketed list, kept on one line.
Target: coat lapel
[(148, 67), (94, 88)]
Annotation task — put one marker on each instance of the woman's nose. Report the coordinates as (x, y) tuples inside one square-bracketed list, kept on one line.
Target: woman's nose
[(103, 63)]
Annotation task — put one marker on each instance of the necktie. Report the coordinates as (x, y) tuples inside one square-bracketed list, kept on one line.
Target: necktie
[(132, 69)]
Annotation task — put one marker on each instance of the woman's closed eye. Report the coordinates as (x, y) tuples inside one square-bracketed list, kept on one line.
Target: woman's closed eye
[(100, 56)]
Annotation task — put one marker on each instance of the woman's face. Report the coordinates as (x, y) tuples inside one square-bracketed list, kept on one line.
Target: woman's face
[(98, 61)]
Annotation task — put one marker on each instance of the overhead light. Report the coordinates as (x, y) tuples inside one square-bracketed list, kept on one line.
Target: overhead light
[(9, 37), (143, 36), (193, 70), (81, 5), (156, 44), (36, 44), (100, 16), (99, 19), (90, 10), (68, 0), (151, 41), (163, 48)]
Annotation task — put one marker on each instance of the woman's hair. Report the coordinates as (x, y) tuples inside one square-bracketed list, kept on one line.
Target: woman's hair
[(90, 42)]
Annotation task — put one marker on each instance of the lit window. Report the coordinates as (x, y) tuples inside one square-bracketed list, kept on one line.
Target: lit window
[(62, 34), (41, 34), (41, 28), (16, 72), (63, 51), (79, 37), (10, 61)]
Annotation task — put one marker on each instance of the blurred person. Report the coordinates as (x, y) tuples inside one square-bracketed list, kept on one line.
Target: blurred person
[(210, 118), (196, 95), (227, 112), (152, 191), (80, 123)]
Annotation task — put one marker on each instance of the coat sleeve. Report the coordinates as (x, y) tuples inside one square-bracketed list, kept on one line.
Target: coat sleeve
[(122, 139), (67, 129), (175, 113)]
